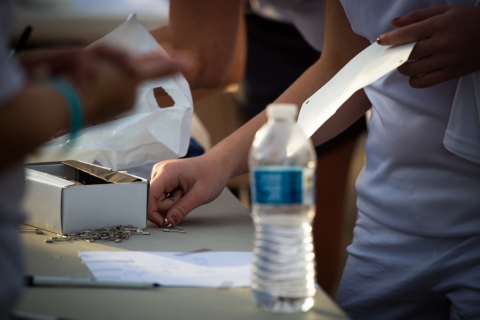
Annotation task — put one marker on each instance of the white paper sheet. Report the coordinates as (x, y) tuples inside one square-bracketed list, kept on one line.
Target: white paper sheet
[(368, 66), (179, 269)]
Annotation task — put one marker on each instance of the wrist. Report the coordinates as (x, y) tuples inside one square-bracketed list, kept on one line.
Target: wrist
[(73, 103), (228, 163)]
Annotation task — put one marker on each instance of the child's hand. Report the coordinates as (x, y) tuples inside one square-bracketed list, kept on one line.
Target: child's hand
[(105, 77), (76, 62)]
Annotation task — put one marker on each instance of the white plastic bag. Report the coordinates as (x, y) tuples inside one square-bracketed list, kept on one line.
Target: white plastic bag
[(143, 136), (462, 136)]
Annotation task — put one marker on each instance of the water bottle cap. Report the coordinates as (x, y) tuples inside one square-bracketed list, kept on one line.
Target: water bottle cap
[(282, 111)]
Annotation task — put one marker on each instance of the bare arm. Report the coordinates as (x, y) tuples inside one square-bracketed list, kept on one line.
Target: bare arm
[(209, 30), (341, 45), (200, 180)]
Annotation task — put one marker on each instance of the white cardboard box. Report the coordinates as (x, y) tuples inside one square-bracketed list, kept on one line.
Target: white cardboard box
[(72, 196)]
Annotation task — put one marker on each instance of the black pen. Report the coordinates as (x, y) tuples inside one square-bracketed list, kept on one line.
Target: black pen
[(19, 315), (48, 281), (21, 42)]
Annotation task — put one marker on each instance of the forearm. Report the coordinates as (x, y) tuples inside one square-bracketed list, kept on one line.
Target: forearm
[(30, 119), (349, 112), (208, 29), (232, 152), (234, 149), (341, 45)]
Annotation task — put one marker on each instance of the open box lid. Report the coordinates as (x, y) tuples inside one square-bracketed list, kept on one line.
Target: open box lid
[(72, 172), (105, 174)]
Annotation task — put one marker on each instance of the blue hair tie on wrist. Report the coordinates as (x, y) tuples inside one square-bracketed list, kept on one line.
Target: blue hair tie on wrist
[(74, 106)]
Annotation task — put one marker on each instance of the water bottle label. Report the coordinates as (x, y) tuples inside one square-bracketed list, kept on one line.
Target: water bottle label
[(283, 185)]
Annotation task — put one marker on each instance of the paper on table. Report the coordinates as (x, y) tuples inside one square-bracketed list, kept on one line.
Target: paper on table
[(179, 269), (368, 66)]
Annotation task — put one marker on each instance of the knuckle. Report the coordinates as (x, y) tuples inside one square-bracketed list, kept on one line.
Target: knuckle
[(438, 23), (414, 15), (430, 65), (166, 165), (182, 210), (443, 43), (159, 166)]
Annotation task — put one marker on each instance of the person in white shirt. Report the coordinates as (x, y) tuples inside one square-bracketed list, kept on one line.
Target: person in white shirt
[(415, 252)]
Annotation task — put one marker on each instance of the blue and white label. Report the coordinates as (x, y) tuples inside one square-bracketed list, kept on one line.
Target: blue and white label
[(283, 185)]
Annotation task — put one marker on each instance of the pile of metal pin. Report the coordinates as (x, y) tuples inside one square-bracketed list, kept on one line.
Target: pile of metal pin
[(171, 228), (116, 234)]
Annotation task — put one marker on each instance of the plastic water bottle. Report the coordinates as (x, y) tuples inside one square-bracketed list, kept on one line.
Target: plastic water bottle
[(282, 164)]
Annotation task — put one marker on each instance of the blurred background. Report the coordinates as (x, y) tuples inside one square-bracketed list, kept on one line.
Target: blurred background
[(80, 22)]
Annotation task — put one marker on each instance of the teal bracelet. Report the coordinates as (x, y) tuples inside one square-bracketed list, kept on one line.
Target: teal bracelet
[(74, 106)]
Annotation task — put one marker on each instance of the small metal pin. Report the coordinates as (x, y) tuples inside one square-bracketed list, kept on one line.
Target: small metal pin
[(59, 239), (84, 237), (140, 232), (37, 231), (169, 225), (173, 230), (166, 223)]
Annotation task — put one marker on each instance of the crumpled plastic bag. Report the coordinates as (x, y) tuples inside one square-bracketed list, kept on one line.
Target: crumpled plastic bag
[(462, 136), (141, 137)]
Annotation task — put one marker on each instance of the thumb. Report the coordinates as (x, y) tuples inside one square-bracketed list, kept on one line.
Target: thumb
[(180, 209)]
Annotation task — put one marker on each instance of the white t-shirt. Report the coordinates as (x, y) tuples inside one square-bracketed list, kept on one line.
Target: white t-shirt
[(411, 182), (11, 181)]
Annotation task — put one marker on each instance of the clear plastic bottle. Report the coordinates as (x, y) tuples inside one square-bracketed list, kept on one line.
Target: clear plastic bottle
[(282, 163)]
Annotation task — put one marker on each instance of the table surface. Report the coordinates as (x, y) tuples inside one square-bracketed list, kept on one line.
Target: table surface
[(223, 225)]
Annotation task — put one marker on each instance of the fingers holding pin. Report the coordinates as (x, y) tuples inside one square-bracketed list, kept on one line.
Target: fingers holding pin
[(171, 228), (174, 196), (170, 199), (170, 196), (164, 205)]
